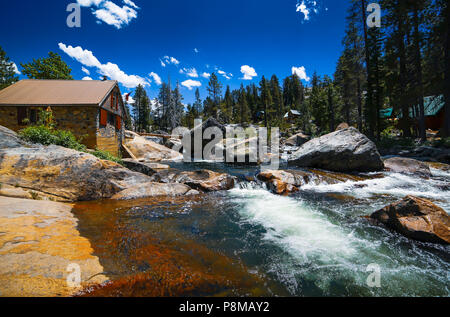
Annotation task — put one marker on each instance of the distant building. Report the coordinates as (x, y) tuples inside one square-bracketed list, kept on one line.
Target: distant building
[(292, 116), (91, 109), (434, 112)]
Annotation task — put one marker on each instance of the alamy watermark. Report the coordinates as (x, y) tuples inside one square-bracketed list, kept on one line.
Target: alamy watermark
[(374, 278), (74, 18), (74, 277), (233, 144), (374, 18)]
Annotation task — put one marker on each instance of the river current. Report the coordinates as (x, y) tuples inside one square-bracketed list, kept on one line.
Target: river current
[(250, 242)]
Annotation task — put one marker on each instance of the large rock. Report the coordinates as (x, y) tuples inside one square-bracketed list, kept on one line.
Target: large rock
[(189, 141), (151, 151), (203, 180), (283, 182), (297, 140), (39, 241), (66, 174), (407, 166), (342, 151), (148, 190), (342, 126), (9, 139), (416, 218)]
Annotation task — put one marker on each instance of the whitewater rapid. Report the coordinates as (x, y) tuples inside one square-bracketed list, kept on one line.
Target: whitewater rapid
[(328, 246)]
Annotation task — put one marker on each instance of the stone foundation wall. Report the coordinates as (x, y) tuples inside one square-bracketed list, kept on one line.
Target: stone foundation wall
[(84, 122)]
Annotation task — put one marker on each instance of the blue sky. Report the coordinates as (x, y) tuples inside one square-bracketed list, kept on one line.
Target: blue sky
[(141, 41)]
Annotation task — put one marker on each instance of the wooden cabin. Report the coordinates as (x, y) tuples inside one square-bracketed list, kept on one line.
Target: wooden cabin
[(434, 107), (292, 116), (92, 110)]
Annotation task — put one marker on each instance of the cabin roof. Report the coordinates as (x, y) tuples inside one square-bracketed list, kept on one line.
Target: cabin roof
[(56, 92), (294, 112), (432, 104)]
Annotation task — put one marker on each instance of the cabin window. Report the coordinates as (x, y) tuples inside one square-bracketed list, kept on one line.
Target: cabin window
[(111, 119), (33, 116), (103, 117)]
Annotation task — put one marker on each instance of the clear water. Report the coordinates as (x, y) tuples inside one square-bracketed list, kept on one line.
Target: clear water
[(314, 243)]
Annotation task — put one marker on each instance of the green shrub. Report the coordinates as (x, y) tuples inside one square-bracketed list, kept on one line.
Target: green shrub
[(105, 155), (47, 136)]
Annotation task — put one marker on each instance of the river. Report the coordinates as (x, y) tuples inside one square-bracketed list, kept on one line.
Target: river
[(250, 242)]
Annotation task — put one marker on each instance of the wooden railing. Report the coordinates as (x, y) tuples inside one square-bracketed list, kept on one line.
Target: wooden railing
[(161, 135)]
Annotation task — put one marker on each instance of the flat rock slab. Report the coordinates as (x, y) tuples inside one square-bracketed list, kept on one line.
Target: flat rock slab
[(38, 241)]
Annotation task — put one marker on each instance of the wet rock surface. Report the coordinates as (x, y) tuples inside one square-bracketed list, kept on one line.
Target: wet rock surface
[(283, 182), (203, 180), (148, 190), (343, 151), (416, 218), (407, 166)]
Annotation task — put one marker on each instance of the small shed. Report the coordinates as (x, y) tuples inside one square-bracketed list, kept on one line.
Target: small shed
[(92, 110)]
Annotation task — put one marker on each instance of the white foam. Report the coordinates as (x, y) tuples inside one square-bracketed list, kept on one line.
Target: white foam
[(306, 234), (393, 184)]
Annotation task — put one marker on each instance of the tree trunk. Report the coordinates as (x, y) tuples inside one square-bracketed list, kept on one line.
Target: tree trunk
[(446, 131), (422, 128), (369, 102), (358, 84), (402, 61)]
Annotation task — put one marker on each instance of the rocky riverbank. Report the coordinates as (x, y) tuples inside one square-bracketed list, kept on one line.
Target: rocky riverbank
[(39, 243), (39, 234)]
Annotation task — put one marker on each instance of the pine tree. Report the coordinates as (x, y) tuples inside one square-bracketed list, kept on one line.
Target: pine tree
[(197, 106), (266, 101), (244, 110), (277, 97), (52, 67), (227, 107), (215, 94), (8, 74)]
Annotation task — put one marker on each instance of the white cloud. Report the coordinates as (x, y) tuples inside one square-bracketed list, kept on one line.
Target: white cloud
[(85, 57), (248, 72), (206, 75), (300, 72), (16, 70), (196, 50), (110, 70), (86, 78), (167, 60), (88, 3), (224, 74), (85, 70), (156, 78), (301, 7), (130, 3), (190, 72), (190, 84), (110, 13), (309, 8)]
